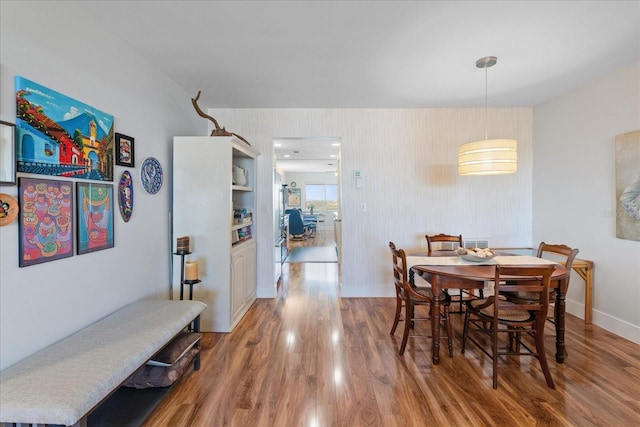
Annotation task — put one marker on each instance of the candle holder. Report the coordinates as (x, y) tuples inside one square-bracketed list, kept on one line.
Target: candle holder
[(184, 281), (189, 283)]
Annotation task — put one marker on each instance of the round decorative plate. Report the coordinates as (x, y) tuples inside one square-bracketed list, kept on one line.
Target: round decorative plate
[(151, 175), (125, 196), (8, 209)]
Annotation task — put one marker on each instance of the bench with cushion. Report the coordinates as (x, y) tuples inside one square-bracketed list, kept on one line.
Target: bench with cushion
[(64, 382)]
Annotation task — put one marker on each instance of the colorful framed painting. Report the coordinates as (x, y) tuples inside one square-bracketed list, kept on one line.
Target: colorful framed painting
[(125, 196), (60, 136), (95, 217), (45, 220), (124, 150), (7, 153)]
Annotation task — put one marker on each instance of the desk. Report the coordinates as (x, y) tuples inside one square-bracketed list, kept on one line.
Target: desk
[(459, 274)]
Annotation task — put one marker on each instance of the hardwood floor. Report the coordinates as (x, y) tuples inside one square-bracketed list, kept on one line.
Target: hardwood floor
[(310, 358)]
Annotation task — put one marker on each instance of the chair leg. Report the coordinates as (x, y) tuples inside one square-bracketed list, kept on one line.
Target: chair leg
[(465, 330), (397, 318), (449, 331), (407, 325), (494, 348), (542, 358)]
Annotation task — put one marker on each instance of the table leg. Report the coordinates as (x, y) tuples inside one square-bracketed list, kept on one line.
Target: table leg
[(435, 321), (588, 295), (559, 314), (584, 268)]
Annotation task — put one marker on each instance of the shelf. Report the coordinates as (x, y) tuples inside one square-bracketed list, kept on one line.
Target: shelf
[(243, 225), (229, 278), (245, 240)]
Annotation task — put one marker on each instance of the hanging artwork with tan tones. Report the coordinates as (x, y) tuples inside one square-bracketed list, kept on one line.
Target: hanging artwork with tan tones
[(628, 186)]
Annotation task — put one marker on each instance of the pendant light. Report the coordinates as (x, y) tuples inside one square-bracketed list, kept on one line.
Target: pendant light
[(488, 156)]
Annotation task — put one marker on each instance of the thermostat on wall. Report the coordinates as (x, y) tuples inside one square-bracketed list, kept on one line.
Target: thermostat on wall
[(357, 174)]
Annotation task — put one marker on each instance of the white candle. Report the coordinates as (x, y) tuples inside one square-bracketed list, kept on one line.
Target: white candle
[(191, 270)]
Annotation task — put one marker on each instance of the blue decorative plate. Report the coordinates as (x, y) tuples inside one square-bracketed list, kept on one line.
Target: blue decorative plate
[(151, 175), (125, 196)]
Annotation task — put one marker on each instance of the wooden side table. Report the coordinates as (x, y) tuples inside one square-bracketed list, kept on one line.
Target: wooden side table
[(584, 268)]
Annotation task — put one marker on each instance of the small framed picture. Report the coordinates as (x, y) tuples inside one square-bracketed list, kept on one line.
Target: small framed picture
[(124, 150), (7, 153), (94, 217), (294, 197)]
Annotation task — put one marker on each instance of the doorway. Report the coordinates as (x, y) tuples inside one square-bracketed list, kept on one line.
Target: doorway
[(308, 171)]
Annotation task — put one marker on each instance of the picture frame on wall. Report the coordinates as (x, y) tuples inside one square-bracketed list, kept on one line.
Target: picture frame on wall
[(125, 150), (294, 197), (60, 136), (628, 186), (7, 153), (94, 217), (45, 227)]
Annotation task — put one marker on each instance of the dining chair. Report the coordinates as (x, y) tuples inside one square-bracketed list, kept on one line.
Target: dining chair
[(409, 297), (496, 317), (434, 243), (558, 253)]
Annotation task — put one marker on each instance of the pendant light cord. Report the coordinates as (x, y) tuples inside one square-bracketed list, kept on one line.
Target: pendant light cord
[(486, 104)]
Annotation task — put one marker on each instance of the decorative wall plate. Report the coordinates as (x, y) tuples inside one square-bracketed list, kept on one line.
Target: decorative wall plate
[(8, 209), (125, 196), (151, 175)]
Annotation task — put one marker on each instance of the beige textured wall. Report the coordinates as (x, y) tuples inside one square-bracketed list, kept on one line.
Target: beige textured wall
[(407, 158)]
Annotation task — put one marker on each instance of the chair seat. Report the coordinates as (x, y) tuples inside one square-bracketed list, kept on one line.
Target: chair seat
[(506, 314), (427, 292)]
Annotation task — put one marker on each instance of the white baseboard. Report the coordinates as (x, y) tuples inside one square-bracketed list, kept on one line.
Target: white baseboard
[(612, 324)]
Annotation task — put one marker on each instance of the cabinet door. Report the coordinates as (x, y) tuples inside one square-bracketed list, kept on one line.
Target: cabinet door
[(238, 280), (251, 279)]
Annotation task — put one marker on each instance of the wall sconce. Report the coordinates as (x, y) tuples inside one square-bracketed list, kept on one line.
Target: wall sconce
[(488, 156)]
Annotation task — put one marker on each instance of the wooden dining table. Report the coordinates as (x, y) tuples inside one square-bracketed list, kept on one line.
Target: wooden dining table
[(444, 272)]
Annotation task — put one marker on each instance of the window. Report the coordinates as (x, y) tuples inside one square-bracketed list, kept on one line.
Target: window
[(323, 197)]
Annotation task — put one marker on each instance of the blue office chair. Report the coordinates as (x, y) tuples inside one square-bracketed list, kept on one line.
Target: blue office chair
[(297, 228), (311, 223)]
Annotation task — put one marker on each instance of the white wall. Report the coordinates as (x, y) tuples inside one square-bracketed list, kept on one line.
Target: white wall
[(408, 160), (574, 192), (44, 303)]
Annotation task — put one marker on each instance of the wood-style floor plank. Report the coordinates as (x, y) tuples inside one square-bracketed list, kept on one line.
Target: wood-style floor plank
[(311, 358)]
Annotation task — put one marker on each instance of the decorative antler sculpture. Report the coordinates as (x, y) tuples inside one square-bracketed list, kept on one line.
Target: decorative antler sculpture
[(218, 131)]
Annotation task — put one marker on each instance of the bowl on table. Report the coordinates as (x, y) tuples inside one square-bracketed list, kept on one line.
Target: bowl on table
[(476, 254)]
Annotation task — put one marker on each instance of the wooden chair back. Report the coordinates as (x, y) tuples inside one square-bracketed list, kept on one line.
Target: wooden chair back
[(399, 258), (433, 238), (532, 280), (559, 253)]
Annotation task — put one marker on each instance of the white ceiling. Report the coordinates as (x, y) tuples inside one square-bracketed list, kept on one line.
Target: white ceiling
[(307, 154), (375, 54)]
